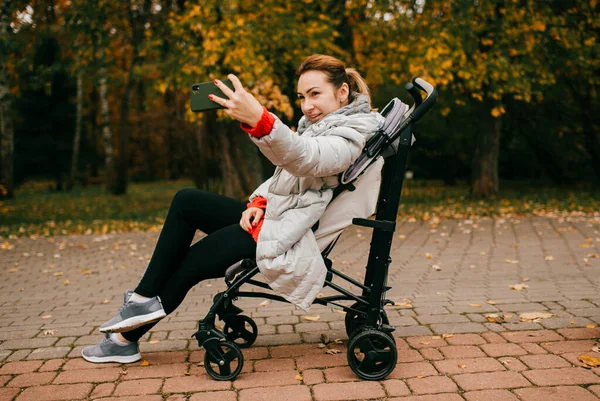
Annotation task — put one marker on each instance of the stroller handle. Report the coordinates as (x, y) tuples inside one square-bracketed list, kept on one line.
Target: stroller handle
[(421, 107)]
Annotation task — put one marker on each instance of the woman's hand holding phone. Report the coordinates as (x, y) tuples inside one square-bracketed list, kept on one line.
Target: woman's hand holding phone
[(240, 104)]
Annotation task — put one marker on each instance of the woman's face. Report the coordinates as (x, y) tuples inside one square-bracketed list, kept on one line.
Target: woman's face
[(318, 97)]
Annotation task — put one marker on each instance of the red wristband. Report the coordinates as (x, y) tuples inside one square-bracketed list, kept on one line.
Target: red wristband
[(263, 127)]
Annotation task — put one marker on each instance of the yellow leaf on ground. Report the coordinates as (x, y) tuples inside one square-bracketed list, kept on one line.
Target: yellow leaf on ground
[(154, 342), (104, 302), (447, 335), (590, 326), (13, 270), (311, 318), (493, 318), (299, 377), (589, 361), (145, 363), (46, 316), (66, 282), (475, 305), (462, 365), (490, 302), (333, 351), (265, 303)]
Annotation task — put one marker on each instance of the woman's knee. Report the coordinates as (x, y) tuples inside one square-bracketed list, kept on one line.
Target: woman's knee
[(185, 196)]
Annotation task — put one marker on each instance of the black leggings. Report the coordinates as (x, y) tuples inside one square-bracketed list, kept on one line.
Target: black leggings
[(176, 266)]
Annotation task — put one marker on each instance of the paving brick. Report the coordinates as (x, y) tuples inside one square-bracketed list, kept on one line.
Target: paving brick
[(48, 353), (51, 365), (536, 336), (561, 376), (396, 388), (579, 333), (213, 396), (32, 379), (465, 339), (461, 351), (444, 328), (321, 361), (340, 374), (433, 397), (594, 389), (474, 365), (312, 376), (8, 393), (426, 341), (265, 379), (278, 339), (288, 393), (138, 387), (493, 338), (497, 350), (431, 354), (155, 371), (533, 348), (348, 391), (164, 358), (4, 379), (414, 369), (55, 393), (193, 383), (274, 364), (562, 347), (15, 368), (432, 385), (28, 343), (410, 355), (494, 380), (102, 390), (567, 393), (544, 361), (291, 351), (133, 398), (490, 395)]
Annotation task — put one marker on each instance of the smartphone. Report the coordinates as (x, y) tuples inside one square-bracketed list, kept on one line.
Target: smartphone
[(201, 102)]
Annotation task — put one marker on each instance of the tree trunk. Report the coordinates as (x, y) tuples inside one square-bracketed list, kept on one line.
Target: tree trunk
[(232, 185), (77, 138), (94, 137), (170, 139), (199, 165), (145, 137), (106, 131), (122, 164), (485, 163), (7, 138)]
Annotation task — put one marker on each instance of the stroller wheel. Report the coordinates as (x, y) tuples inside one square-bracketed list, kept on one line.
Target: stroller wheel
[(241, 330), (354, 321), (223, 361), (372, 355)]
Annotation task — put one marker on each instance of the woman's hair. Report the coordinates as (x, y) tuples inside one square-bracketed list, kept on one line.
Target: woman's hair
[(337, 74)]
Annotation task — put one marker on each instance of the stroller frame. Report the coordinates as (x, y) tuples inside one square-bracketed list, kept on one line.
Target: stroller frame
[(372, 352)]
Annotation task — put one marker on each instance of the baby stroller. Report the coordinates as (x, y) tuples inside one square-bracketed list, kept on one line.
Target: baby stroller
[(372, 353)]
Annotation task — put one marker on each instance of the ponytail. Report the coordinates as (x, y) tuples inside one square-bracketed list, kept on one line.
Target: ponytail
[(357, 84)]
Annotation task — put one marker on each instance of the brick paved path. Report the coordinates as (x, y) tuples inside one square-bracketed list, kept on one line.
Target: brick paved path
[(446, 278)]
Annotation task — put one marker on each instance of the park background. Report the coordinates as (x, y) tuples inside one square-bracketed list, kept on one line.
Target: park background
[(97, 135)]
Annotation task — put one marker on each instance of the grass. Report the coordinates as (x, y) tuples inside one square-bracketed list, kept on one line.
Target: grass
[(36, 211)]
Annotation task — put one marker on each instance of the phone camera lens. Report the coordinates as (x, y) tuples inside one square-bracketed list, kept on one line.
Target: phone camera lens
[(195, 88)]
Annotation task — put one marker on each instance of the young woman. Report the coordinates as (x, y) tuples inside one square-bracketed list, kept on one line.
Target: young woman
[(275, 227)]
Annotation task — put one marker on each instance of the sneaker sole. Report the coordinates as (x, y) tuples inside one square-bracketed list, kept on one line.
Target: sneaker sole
[(134, 322), (113, 358)]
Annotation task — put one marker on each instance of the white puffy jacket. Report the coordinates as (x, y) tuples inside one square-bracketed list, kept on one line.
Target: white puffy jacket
[(298, 193)]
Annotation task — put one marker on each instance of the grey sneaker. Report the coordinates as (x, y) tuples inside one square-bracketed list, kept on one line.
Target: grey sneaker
[(133, 315), (108, 351)]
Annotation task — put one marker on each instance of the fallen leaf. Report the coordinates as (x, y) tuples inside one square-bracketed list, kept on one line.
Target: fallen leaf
[(508, 315), (265, 303), (475, 305), (518, 287), (104, 302), (58, 274), (85, 271), (447, 335), (531, 316), (154, 342), (490, 302), (13, 270), (424, 342), (46, 316), (590, 326), (299, 377), (428, 255), (405, 304), (311, 318), (145, 363), (50, 332), (436, 267), (462, 365), (66, 282), (572, 322), (420, 377), (186, 373), (596, 349), (321, 345), (549, 257), (589, 361), (493, 318), (333, 351), (338, 341)]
